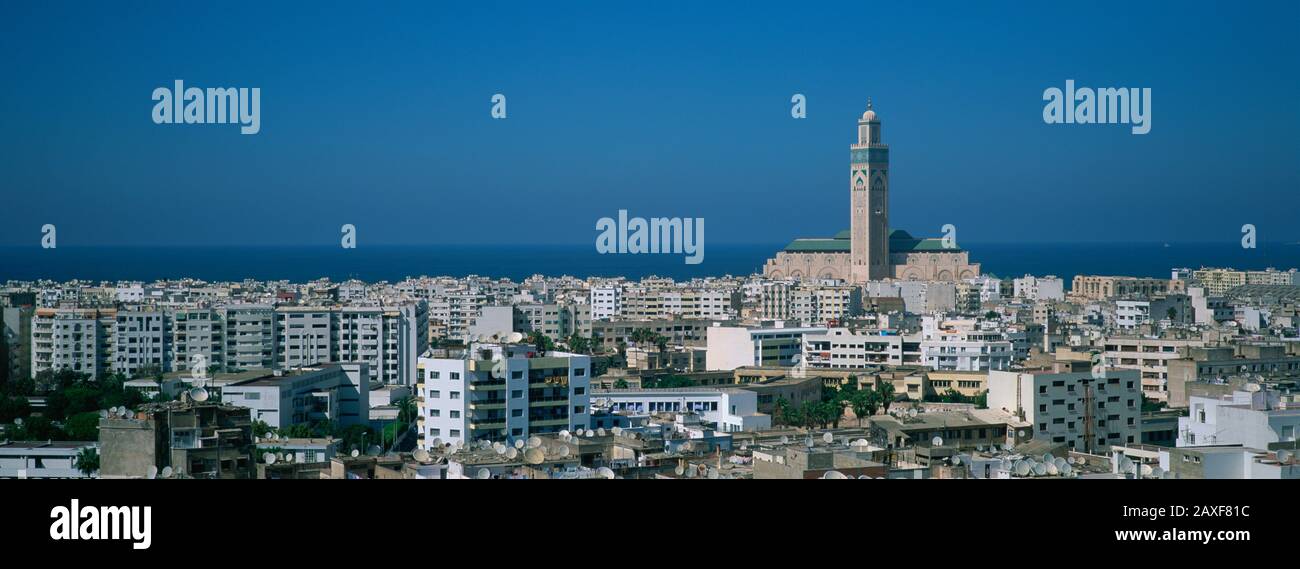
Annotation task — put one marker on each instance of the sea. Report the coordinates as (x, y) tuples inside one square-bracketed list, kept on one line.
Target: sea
[(392, 263)]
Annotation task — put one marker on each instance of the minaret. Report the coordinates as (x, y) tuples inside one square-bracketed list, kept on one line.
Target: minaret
[(869, 188)]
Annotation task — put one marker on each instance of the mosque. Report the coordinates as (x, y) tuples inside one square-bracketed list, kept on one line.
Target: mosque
[(868, 250)]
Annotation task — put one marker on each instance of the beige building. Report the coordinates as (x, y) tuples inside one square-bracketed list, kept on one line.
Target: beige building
[(1094, 287), (868, 250)]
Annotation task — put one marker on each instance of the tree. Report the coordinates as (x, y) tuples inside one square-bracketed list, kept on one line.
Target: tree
[(87, 461), (886, 390), (542, 341), (782, 409), (1172, 313), (620, 383), (864, 403), (991, 315), (261, 429), (578, 344), (82, 426)]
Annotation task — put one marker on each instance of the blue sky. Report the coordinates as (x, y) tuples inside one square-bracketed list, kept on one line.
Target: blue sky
[(378, 115)]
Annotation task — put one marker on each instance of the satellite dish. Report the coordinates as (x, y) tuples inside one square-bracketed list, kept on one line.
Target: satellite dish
[(911, 412), (1284, 456), (355, 453), (1051, 469), (511, 453), (809, 442), (1040, 470), (151, 472), (600, 432), (519, 443), (167, 472), (534, 456), (834, 475), (199, 394), (564, 434), (1157, 472), (578, 432), (679, 470), (937, 441), (374, 450), (499, 448), (1069, 460), (421, 455), (564, 452), (534, 442), (618, 431), (785, 440), (437, 442), (979, 448), (1007, 447), (828, 438), (605, 472), (1022, 468), (1047, 457), (956, 460), (290, 458), (483, 474), (516, 337), (713, 474), (103, 413)]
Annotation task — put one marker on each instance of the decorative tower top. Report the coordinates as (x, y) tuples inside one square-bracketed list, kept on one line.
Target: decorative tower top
[(870, 115)]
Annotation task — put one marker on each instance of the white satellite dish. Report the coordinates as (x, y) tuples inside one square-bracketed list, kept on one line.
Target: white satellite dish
[(519, 443), (167, 472), (534, 442), (437, 442), (269, 458), (499, 448), (516, 337), (600, 432), (937, 441), (199, 394), (151, 472), (679, 470), (834, 475), (605, 472), (785, 440), (421, 455), (483, 474), (618, 431), (511, 453), (828, 438), (355, 453), (534, 456), (290, 458)]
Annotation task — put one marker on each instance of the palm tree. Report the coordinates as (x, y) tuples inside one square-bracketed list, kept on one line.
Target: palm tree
[(864, 403), (886, 389), (87, 461)]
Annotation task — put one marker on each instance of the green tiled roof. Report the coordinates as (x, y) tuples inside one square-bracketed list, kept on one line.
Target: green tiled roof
[(899, 242)]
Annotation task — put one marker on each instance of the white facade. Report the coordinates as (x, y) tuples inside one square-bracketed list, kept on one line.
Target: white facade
[(1251, 419), (959, 345), (732, 410), (501, 392), (730, 347), (1033, 288)]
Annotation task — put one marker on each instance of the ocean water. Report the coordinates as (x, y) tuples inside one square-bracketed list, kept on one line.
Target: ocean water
[(394, 262)]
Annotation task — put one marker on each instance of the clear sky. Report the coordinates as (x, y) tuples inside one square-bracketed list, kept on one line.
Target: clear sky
[(378, 114)]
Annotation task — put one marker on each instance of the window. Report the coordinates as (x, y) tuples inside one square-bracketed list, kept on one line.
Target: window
[(435, 412), (455, 395), (435, 394), (435, 375), (579, 391), (516, 393), (455, 375), (577, 410), (455, 414), (516, 412), (516, 374), (455, 433), (579, 372)]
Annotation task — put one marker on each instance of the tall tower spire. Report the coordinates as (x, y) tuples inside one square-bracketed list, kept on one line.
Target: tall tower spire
[(869, 200)]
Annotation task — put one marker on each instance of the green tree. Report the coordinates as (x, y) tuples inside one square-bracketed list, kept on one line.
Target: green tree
[(82, 426), (886, 390), (578, 344), (620, 383), (782, 411), (261, 429), (87, 461), (542, 341), (864, 403)]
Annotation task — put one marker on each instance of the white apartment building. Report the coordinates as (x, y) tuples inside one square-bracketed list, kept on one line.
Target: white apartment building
[(840, 348), (1254, 419), (732, 410), (387, 338), (1087, 414), (1131, 314), (960, 345), (606, 302), (730, 347), (141, 338), (1149, 357), (330, 392), (1033, 288), (464, 399), (80, 340)]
